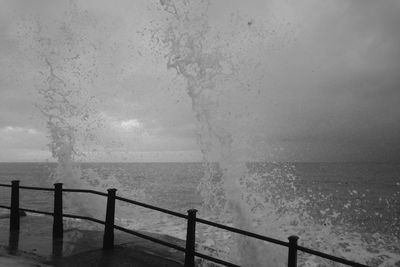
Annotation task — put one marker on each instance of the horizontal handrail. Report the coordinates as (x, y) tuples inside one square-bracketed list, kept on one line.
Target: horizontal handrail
[(330, 257), (52, 214), (84, 218), (239, 231), (179, 248), (177, 214), (85, 191), (191, 218), (36, 188), (64, 189), (37, 211), (132, 232), (156, 240), (102, 222), (215, 260)]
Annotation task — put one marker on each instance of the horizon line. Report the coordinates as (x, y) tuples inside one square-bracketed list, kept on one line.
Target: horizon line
[(253, 161)]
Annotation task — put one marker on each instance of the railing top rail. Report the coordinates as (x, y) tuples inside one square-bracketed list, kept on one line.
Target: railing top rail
[(37, 211), (156, 240), (179, 248), (83, 218), (177, 214), (36, 188), (174, 213), (246, 233), (64, 189), (330, 257), (84, 191)]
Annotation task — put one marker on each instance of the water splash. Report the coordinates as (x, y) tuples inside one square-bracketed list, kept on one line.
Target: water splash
[(69, 57), (269, 203), (205, 68)]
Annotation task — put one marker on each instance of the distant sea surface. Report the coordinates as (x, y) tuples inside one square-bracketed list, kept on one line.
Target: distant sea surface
[(370, 190)]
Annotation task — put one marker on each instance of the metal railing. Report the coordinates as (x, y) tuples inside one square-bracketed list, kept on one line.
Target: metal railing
[(109, 226)]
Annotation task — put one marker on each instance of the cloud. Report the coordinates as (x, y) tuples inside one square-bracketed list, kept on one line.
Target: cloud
[(130, 124), (322, 78), (13, 130), (336, 84)]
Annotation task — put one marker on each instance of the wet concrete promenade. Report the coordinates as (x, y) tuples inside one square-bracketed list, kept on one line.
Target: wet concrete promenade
[(33, 246)]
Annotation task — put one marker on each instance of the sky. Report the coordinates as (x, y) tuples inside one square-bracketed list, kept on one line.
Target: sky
[(316, 81)]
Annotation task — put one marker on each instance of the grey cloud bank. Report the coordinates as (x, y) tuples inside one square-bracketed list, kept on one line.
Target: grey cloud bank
[(326, 89)]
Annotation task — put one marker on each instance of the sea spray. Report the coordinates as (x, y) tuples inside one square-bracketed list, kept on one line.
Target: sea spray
[(267, 203), (66, 110), (205, 68), (274, 203), (264, 202), (68, 54)]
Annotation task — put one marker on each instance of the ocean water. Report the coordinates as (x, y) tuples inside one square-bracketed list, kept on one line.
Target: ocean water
[(354, 204)]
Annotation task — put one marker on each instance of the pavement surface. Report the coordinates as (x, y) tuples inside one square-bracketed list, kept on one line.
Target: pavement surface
[(33, 246)]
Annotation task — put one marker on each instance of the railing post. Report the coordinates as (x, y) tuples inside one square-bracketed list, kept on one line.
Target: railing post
[(58, 211), (292, 257), (14, 213), (190, 238), (108, 239)]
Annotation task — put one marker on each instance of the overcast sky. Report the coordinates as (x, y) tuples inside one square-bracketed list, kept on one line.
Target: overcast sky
[(319, 80)]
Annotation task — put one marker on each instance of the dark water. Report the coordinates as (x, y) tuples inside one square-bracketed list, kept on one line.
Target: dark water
[(361, 199), (366, 194)]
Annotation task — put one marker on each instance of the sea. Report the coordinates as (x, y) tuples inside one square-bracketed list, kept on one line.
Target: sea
[(354, 207)]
